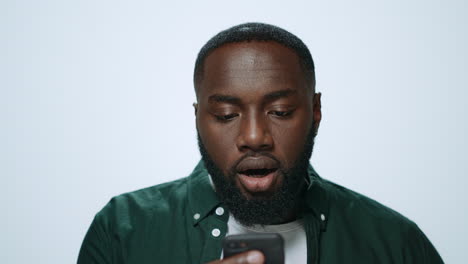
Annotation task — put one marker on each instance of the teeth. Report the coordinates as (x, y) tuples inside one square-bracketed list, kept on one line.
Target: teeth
[(257, 173)]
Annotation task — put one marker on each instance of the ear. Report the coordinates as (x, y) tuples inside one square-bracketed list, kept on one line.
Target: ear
[(195, 106), (317, 111)]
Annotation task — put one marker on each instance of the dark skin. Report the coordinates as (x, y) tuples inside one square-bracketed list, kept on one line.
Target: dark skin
[(255, 97)]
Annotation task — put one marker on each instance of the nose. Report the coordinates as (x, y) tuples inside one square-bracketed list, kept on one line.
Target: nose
[(254, 134)]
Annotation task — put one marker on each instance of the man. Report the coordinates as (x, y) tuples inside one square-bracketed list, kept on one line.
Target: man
[(257, 114)]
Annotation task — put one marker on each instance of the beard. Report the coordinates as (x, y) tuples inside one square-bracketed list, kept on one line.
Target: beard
[(263, 209)]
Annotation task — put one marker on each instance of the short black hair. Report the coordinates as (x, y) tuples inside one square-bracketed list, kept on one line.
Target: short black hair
[(255, 32)]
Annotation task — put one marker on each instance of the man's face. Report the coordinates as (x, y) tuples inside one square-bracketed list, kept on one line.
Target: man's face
[(256, 112)]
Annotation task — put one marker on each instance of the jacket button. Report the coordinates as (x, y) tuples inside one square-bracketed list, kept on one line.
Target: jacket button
[(219, 211), (322, 216), (215, 232), (196, 216)]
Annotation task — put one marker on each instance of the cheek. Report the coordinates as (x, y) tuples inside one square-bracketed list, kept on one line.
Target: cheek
[(290, 139), (219, 142)]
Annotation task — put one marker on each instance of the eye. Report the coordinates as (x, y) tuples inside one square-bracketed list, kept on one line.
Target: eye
[(281, 113), (225, 118)]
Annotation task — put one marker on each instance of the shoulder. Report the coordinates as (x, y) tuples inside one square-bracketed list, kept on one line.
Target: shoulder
[(144, 204), (130, 218), (354, 203), (363, 218), (359, 221)]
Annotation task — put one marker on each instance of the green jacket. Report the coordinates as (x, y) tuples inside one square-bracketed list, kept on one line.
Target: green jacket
[(174, 222)]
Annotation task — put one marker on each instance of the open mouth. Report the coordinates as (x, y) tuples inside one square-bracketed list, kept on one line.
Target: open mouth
[(257, 173)]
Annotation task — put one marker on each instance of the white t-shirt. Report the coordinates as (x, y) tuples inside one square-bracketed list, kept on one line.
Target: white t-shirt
[(293, 233)]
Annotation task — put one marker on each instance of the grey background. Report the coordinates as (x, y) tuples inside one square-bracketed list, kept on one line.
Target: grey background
[(95, 100)]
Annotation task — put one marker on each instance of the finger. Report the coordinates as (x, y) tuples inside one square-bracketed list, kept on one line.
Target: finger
[(249, 257)]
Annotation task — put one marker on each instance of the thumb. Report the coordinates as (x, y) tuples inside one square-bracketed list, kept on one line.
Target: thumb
[(249, 257)]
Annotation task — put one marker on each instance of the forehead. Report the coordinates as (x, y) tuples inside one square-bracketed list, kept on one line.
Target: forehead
[(253, 66)]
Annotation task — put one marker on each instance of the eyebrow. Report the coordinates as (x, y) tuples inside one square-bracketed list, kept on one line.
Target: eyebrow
[(221, 98), (279, 94)]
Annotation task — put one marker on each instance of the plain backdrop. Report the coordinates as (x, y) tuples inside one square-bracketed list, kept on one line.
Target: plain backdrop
[(96, 100)]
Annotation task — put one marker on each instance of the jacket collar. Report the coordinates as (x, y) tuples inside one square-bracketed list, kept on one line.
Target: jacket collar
[(317, 198), (202, 198)]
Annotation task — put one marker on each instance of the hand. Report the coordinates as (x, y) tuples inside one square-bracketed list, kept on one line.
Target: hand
[(249, 257)]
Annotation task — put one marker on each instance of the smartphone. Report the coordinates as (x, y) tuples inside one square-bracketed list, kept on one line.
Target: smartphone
[(270, 244)]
